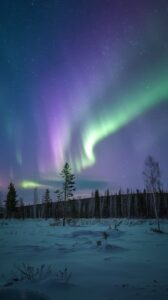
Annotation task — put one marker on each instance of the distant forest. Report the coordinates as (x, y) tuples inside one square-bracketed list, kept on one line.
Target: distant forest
[(129, 205)]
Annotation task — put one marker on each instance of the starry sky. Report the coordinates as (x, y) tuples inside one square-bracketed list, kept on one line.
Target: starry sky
[(84, 82)]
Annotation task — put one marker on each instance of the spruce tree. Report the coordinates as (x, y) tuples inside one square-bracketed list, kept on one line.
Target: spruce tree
[(11, 200), (68, 186), (97, 204), (47, 199), (47, 202), (21, 208), (69, 182), (106, 212)]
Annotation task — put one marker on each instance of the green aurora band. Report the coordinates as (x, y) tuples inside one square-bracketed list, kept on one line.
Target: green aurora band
[(133, 105), (26, 184), (130, 105)]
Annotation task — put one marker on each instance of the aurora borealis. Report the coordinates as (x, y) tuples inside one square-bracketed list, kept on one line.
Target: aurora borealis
[(84, 82)]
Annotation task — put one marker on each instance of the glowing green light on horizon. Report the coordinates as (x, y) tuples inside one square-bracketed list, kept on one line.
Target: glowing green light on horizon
[(132, 106), (30, 184)]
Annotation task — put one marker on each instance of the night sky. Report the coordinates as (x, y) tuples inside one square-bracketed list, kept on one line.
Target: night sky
[(83, 81)]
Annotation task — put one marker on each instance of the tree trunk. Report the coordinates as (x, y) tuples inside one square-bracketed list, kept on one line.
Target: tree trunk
[(155, 209)]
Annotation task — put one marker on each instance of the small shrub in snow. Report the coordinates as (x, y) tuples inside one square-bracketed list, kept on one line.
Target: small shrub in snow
[(157, 230), (29, 272), (63, 276)]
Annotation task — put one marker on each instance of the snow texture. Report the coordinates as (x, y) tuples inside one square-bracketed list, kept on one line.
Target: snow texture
[(86, 260)]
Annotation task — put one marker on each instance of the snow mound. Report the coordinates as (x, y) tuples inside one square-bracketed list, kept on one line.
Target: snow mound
[(114, 248), (80, 233)]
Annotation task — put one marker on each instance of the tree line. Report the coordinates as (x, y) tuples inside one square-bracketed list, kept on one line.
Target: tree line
[(137, 204), (152, 202)]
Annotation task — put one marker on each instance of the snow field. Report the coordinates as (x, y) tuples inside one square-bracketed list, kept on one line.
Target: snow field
[(132, 263)]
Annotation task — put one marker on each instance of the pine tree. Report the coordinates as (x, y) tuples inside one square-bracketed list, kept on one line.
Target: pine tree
[(21, 208), (97, 204), (119, 203), (47, 202), (106, 208), (35, 202), (69, 182), (47, 199), (58, 195), (1, 207), (68, 186), (11, 200)]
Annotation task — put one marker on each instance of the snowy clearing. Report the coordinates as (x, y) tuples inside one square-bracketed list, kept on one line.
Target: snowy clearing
[(87, 259)]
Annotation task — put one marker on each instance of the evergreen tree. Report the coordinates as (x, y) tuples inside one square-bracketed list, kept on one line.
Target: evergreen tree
[(58, 195), (69, 182), (1, 207), (108, 203), (35, 202), (47, 202), (11, 200), (106, 208), (140, 204), (74, 211), (97, 204), (68, 186), (47, 199), (119, 210), (21, 208)]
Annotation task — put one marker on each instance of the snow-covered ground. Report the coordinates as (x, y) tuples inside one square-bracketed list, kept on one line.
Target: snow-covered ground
[(77, 262)]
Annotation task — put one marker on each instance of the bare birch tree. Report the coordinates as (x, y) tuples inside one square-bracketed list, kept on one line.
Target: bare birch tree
[(152, 176)]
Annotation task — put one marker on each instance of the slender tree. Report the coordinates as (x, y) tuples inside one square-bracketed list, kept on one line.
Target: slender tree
[(152, 176), (11, 201), (47, 202), (97, 204), (47, 198), (68, 186), (21, 208), (58, 195), (1, 207), (35, 202), (106, 207)]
